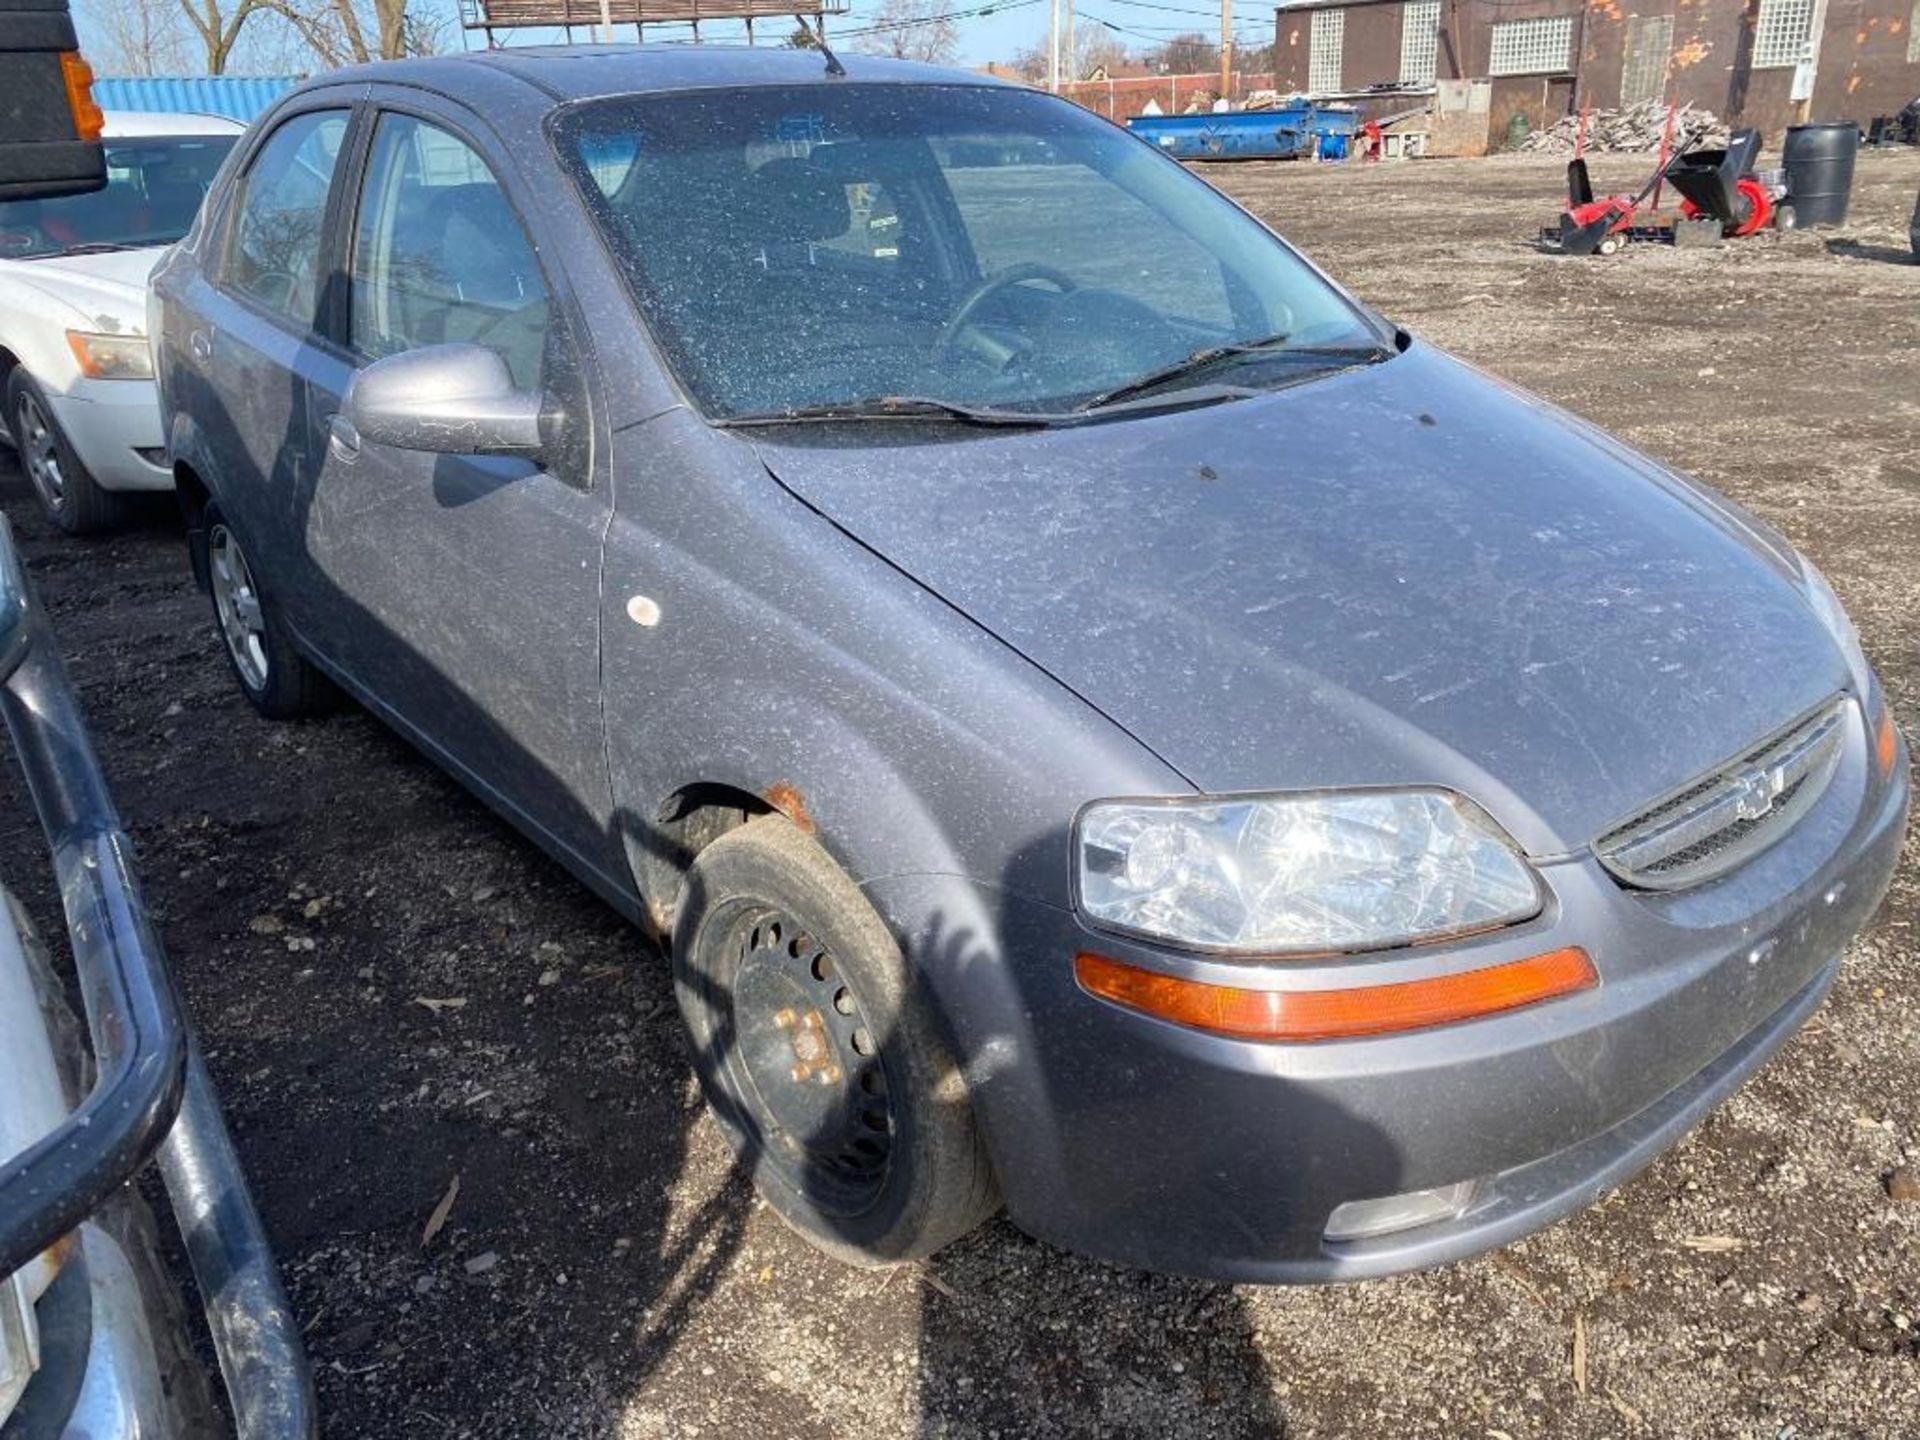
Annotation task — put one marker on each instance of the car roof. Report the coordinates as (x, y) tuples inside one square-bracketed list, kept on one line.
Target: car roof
[(128, 124), (577, 72)]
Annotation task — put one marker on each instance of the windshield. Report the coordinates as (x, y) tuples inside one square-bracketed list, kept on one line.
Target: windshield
[(153, 188), (827, 246)]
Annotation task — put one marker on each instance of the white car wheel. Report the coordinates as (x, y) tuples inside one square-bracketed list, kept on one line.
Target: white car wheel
[(71, 497)]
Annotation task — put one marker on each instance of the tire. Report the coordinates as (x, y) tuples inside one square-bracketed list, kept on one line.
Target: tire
[(278, 681), (69, 495), (822, 1059)]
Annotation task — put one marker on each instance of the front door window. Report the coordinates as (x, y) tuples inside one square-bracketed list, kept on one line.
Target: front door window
[(439, 254)]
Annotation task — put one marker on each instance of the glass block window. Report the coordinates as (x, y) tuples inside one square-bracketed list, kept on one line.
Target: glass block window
[(1780, 37), (1328, 39), (1643, 71), (1420, 40), (1533, 47)]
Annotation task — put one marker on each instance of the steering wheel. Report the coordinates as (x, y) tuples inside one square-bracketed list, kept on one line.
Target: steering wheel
[(993, 285)]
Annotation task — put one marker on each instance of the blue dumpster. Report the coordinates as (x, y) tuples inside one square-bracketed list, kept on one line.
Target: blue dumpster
[(1300, 130)]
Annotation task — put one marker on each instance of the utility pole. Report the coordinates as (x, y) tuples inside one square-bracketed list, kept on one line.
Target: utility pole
[(1226, 50), (1053, 49), (1069, 57)]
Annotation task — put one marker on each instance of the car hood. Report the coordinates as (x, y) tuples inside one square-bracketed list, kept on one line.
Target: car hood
[(1406, 573), (107, 291)]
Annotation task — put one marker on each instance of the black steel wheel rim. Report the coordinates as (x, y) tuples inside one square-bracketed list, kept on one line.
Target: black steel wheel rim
[(805, 1062)]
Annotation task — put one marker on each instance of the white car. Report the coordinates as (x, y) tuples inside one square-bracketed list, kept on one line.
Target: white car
[(78, 377)]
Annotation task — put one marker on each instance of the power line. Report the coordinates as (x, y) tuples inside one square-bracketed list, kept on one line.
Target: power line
[(1140, 32), (880, 27), (1170, 9)]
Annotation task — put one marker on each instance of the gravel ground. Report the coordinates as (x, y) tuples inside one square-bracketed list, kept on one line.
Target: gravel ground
[(604, 1272)]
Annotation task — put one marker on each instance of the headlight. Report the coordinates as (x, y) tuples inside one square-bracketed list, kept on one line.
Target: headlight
[(111, 357), (1833, 615), (1299, 874)]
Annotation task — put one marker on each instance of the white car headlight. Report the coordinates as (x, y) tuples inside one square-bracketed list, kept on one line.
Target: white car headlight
[(1833, 615), (111, 357), (1301, 874)]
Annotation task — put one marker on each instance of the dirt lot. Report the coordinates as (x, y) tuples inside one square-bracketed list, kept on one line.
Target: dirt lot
[(604, 1272)]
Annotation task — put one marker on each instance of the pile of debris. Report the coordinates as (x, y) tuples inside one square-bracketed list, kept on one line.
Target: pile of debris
[(1636, 128)]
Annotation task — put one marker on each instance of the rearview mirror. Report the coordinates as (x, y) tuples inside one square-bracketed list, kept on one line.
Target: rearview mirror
[(447, 399)]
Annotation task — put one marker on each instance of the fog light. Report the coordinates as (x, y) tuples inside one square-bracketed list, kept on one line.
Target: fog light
[(1364, 1219)]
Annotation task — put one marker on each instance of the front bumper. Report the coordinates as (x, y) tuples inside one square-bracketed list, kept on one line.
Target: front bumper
[(1133, 1140), (109, 423)]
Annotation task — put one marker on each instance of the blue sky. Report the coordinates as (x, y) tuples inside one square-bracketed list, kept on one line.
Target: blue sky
[(1012, 25), (1016, 24)]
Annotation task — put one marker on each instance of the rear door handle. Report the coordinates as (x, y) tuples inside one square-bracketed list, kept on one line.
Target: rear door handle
[(342, 438), (200, 343)]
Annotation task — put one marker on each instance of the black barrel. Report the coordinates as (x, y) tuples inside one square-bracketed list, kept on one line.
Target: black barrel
[(1819, 165)]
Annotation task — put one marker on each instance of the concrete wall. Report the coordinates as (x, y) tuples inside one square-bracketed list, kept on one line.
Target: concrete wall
[(1863, 70)]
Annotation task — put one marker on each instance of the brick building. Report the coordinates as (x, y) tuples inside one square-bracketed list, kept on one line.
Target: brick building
[(1756, 62)]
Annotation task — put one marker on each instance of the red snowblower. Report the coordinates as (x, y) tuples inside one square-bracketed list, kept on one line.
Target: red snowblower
[(1720, 198), (1600, 227)]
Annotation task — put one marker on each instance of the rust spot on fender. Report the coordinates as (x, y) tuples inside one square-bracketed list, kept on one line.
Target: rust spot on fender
[(791, 803)]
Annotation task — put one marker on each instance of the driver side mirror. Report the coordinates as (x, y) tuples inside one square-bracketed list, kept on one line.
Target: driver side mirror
[(455, 399)]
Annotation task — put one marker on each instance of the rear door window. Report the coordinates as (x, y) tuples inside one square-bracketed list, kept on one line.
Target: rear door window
[(273, 255), (440, 255)]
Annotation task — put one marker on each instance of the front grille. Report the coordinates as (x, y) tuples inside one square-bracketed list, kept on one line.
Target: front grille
[(1711, 825)]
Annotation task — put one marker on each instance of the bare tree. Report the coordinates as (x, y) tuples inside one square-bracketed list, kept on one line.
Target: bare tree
[(1097, 48), (138, 37), (217, 24), (1089, 48), (912, 30), (1186, 55), (351, 32), (1031, 64)]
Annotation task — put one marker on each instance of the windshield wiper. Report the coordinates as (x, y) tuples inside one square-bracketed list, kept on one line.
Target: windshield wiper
[(892, 407), (91, 247), (1211, 357)]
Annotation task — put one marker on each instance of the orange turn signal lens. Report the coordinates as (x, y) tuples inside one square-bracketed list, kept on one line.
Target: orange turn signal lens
[(1886, 743), (1338, 1014), (88, 121)]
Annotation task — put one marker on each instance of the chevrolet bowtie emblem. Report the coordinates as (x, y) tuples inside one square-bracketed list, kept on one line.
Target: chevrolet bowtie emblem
[(1756, 790)]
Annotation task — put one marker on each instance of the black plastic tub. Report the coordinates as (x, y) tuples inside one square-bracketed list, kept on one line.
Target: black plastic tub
[(1819, 165)]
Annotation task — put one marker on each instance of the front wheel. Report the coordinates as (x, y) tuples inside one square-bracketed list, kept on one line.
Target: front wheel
[(276, 678), (820, 1056), (70, 495)]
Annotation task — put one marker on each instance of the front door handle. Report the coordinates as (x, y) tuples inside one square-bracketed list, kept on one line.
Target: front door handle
[(200, 343), (342, 438)]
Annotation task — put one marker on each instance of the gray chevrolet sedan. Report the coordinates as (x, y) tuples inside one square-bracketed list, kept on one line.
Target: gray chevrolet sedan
[(1102, 721)]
